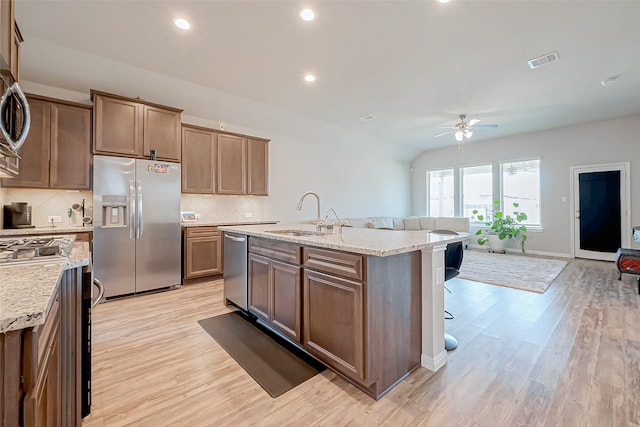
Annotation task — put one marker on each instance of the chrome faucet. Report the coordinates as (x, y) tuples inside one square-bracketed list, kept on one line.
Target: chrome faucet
[(319, 222)]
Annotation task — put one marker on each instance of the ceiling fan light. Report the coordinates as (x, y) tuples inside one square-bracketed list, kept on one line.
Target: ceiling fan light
[(459, 136), (468, 133)]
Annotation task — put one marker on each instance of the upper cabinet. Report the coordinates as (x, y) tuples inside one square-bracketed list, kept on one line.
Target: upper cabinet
[(198, 160), (217, 162), (10, 39), (57, 152), (232, 164), (132, 128), (257, 167)]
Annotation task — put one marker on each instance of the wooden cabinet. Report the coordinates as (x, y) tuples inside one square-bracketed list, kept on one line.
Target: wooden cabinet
[(51, 369), (275, 285), (10, 39), (215, 162), (70, 166), (231, 164), (257, 167), (334, 322), (42, 405), (198, 160), (360, 315), (131, 128), (202, 252), (161, 132), (57, 151)]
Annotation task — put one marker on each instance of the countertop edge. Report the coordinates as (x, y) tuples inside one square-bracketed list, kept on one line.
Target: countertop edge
[(415, 240)]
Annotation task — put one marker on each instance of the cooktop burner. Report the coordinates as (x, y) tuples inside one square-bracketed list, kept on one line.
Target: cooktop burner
[(27, 248)]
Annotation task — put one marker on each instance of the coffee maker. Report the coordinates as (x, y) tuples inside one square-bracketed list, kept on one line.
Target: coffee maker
[(17, 215)]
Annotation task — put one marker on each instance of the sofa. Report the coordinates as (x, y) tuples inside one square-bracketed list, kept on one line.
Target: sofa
[(411, 223)]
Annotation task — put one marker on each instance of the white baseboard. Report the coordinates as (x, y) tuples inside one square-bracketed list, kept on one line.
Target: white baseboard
[(433, 364), (516, 250)]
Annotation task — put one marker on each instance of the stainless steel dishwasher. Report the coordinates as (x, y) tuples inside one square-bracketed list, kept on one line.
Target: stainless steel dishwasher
[(235, 269)]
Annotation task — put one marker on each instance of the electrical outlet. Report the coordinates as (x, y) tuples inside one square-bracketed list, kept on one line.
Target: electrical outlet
[(54, 218), (248, 214)]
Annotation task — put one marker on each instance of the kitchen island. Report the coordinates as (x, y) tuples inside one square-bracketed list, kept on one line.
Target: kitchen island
[(41, 330), (367, 303)]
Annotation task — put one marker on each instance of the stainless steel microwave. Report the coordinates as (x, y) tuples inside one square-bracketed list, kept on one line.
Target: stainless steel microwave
[(15, 121)]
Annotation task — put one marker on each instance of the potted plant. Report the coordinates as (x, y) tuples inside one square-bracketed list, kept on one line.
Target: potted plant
[(502, 228)]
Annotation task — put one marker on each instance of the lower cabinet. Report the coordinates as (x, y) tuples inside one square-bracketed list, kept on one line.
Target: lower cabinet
[(202, 252), (42, 404), (274, 293), (334, 322), (360, 315), (52, 360)]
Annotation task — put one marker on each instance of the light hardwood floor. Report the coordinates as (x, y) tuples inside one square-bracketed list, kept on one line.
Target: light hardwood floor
[(569, 357)]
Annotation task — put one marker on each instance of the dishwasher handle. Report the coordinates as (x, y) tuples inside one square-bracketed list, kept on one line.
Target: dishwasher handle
[(235, 239)]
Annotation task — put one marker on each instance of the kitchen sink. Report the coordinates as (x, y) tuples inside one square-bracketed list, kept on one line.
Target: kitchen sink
[(297, 232)]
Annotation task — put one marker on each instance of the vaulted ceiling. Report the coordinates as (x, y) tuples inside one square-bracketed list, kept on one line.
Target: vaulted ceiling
[(414, 65)]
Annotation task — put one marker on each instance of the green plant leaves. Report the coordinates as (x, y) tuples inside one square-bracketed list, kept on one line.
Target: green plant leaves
[(503, 225)]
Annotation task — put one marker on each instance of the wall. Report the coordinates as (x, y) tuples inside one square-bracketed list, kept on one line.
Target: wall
[(609, 141)]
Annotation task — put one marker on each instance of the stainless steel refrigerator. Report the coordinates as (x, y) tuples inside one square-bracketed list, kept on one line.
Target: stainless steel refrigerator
[(136, 224)]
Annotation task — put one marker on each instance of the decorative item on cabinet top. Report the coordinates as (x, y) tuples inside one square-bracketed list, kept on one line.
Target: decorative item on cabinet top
[(132, 127), (221, 162)]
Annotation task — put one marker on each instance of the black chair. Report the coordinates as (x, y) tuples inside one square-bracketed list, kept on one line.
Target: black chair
[(452, 261)]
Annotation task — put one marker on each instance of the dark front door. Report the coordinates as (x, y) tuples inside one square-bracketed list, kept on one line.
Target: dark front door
[(600, 211)]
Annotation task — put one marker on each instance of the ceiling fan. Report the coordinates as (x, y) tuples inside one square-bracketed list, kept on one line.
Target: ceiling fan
[(464, 130)]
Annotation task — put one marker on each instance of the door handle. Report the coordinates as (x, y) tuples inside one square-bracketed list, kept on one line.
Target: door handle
[(98, 284), (132, 217), (235, 239), (140, 218)]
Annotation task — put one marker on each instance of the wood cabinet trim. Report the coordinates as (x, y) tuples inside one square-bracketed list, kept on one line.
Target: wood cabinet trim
[(189, 257), (282, 251), (333, 262), (95, 92), (59, 101), (224, 132), (204, 231)]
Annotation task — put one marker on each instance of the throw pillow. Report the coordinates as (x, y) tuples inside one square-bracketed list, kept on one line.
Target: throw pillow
[(412, 224)]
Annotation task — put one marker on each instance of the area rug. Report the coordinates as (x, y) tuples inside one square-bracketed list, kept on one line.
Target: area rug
[(273, 363), (514, 271)]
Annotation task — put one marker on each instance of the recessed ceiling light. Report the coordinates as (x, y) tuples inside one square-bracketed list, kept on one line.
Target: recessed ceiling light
[(308, 15), (443, 1), (310, 78), (182, 24)]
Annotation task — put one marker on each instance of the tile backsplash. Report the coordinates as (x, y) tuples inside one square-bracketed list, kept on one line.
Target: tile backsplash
[(224, 208), (45, 203)]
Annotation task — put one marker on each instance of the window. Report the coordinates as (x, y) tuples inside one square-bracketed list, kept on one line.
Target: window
[(521, 184), (477, 185), (440, 193)]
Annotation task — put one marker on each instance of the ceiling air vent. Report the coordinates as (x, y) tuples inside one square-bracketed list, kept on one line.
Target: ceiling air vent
[(367, 118), (543, 60)]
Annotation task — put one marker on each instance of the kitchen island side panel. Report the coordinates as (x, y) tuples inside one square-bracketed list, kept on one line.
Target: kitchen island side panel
[(393, 313)]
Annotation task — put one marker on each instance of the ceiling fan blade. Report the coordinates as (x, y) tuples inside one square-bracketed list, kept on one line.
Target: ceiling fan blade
[(445, 127), (485, 126), (473, 122), (442, 134)]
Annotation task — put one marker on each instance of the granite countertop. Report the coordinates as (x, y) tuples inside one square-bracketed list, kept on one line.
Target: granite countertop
[(220, 223), (356, 240), (26, 288), (44, 230)]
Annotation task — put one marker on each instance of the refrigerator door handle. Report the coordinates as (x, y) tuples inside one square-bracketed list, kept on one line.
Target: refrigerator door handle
[(132, 208), (140, 218)]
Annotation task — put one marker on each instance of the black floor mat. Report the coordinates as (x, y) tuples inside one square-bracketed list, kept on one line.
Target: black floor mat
[(275, 364)]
